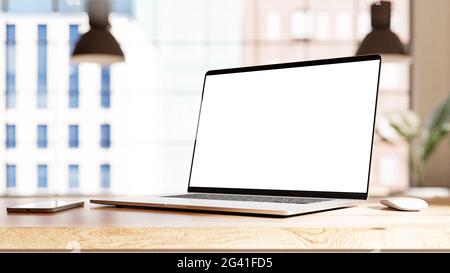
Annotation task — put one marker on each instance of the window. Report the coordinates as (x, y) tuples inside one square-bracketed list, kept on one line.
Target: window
[(74, 176), (74, 69), (30, 6), (64, 6), (70, 6), (273, 26), (302, 25), (105, 176), (105, 136), (10, 58), (123, 6), (10, 176), (106, 87), (42, 136), (73, 136), (10, 136), (42, 174), (42, 67)]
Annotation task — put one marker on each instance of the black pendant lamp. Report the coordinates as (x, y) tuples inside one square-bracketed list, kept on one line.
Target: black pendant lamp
[(98, 45), (381, 40)]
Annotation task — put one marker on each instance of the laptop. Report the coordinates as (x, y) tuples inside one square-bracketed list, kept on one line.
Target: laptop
[(280, 139)]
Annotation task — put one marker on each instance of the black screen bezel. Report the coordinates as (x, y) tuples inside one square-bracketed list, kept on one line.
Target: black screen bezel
[(319, 194)]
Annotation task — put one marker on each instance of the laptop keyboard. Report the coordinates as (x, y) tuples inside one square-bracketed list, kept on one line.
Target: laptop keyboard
[(249, 198)]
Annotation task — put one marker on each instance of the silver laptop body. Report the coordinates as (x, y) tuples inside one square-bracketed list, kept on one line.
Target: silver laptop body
[(281, 139)]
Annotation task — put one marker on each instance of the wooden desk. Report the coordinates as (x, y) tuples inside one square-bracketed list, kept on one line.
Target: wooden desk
[(368, 227)]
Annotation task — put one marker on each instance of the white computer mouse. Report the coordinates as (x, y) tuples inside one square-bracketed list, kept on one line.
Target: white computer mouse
[(405, 203)]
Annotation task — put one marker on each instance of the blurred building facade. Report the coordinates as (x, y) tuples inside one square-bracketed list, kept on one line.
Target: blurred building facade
[(66, 127)]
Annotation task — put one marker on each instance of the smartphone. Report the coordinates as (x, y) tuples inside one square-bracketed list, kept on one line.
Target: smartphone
[(45, 206)]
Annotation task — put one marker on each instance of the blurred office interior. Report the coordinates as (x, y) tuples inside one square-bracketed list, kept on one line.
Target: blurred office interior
[(128, 128)]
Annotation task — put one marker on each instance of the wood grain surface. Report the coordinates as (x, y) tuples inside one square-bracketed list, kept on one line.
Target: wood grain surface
[(368, 227)]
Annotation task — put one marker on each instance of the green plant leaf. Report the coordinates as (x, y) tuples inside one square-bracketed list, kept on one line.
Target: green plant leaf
[(383, 137), (438, 127), (405, 123)]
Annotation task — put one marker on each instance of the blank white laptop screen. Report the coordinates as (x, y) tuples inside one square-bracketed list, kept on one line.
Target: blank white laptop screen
[(299, 129)]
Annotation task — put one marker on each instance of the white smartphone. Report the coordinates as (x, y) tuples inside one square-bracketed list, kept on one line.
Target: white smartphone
[(45, 206)]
